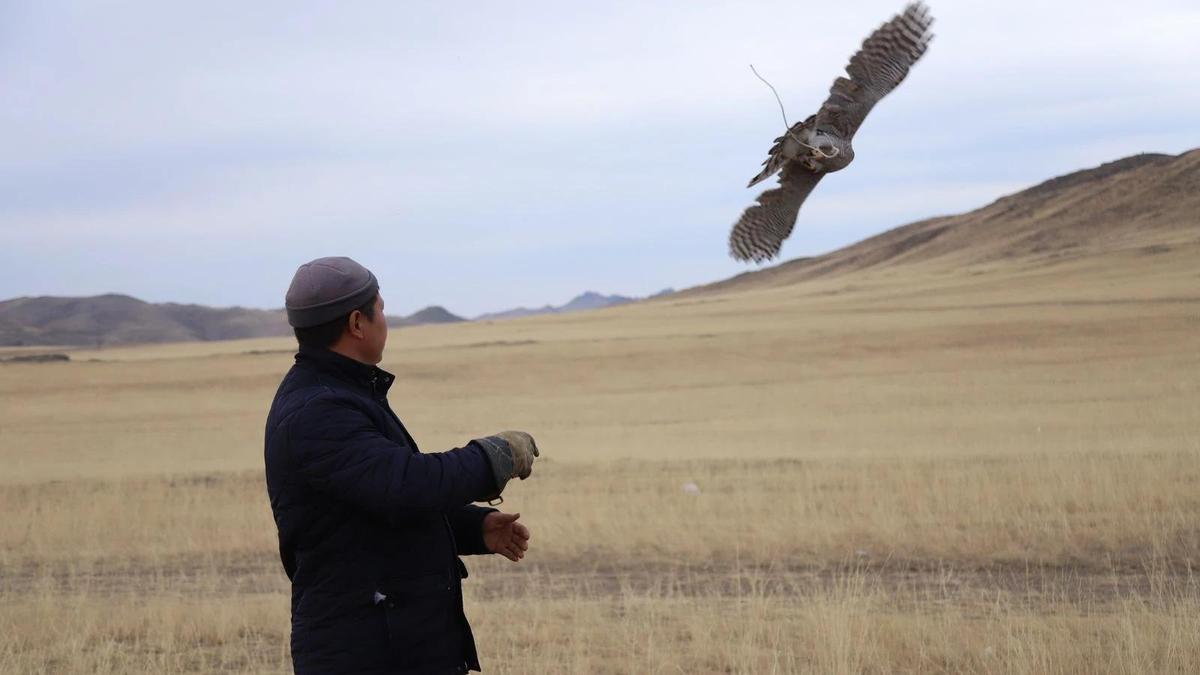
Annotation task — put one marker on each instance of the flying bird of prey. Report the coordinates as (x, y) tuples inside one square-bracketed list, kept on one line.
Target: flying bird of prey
[(821, 143)]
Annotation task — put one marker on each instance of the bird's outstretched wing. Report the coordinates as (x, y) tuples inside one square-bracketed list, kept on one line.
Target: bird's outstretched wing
[(879, 66), (760, 231)]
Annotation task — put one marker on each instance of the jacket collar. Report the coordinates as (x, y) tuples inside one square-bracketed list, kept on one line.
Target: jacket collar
[(374, 379)]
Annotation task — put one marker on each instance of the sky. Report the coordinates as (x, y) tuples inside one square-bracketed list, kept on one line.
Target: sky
[(483, 156)]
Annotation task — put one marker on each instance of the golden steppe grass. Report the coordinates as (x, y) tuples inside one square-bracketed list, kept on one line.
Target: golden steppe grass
[(907, 470)]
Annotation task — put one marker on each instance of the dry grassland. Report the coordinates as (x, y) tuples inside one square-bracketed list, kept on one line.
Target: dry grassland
[(907, 471)]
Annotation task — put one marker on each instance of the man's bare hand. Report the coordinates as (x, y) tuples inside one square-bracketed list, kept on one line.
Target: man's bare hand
[(504, 535)]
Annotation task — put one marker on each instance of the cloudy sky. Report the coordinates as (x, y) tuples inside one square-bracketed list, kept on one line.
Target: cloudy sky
[(488, 155)]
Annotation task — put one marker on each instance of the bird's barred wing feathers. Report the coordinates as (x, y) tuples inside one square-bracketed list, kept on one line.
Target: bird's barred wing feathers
[(879, 66), (760, 232)]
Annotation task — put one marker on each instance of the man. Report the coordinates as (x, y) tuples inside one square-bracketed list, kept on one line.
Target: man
[(370, 528)]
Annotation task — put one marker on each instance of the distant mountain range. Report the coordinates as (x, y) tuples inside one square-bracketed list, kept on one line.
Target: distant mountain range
[(581, 302), (120, 319)]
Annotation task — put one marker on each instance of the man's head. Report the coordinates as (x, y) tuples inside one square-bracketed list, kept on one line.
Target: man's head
[(334, 303)]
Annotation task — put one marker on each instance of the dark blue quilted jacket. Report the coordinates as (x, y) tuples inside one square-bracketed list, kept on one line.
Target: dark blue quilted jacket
[(370, 529)]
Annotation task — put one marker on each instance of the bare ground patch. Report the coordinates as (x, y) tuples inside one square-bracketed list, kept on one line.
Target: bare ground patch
[(901, 585)]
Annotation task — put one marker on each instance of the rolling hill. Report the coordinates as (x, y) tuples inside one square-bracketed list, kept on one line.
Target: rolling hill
[(112, 319), (121, 319), (431, 314), (1148, 203)]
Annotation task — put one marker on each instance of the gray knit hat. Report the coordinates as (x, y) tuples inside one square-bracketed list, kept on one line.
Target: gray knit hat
[(327, 288)]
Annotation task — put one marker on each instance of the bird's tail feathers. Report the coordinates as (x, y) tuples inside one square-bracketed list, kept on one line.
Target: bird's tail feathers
[(776, 157), (773, 164)]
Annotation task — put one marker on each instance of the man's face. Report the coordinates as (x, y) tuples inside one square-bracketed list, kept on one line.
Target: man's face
[(375, 333)]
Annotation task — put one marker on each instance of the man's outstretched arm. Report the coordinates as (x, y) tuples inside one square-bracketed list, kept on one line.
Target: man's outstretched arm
[(339, 451)]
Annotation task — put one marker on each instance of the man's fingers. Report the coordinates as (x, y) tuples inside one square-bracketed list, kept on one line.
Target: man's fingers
[(507, 551), (512, 538), (505, 518)]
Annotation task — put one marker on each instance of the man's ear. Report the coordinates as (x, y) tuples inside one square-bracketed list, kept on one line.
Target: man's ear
[(354, 324)]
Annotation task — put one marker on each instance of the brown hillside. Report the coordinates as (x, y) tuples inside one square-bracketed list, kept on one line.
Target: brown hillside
[(119, 319), (1147, 202), (113, 319)]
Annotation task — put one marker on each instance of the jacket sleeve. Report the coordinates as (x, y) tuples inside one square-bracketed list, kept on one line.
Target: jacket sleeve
[(339, 452), (467, 523)]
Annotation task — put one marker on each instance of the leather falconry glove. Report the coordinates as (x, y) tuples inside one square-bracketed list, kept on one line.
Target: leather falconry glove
[(511, 454)]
